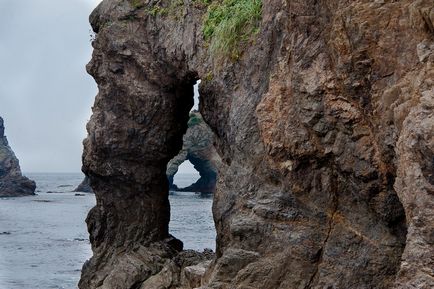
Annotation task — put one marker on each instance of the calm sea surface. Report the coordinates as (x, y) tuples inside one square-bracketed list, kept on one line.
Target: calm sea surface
[(44, 241)]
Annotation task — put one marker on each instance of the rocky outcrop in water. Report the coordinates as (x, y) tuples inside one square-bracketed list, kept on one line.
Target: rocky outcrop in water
[(84, 186), (197, 148), (12, 182), (323, 119)]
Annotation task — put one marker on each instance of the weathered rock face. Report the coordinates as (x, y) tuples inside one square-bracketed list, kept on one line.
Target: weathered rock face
[(84, 186), (197, 148), (324, 126), (12, 182)]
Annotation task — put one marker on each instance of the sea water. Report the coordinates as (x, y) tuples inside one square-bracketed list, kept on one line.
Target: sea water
[(44, 240)]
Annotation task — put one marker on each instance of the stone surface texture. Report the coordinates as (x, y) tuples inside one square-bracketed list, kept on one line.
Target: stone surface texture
[(199, 150), (12, 182), (324, 126)]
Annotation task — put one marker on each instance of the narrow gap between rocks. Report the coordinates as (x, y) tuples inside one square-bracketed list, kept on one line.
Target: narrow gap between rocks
[(191, 179)]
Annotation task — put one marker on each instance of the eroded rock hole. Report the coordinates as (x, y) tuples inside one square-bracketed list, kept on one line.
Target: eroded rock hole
[(186, 176), (192, 179)]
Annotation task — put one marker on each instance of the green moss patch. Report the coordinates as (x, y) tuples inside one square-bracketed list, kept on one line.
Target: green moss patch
[(137, 3), (195, 119), (230, 24)]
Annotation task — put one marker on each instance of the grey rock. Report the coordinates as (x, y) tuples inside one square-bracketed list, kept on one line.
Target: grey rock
[(84, 186), (12, 182), (197, 148)]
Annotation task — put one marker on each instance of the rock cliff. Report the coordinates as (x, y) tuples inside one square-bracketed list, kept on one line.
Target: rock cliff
[(12, 182), (197, 148), (323, 115)]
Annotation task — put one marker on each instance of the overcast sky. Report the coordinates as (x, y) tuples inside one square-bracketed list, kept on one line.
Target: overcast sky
[(45, 93)]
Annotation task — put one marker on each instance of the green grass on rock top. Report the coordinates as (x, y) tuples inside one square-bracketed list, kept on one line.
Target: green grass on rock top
[(229, 24)]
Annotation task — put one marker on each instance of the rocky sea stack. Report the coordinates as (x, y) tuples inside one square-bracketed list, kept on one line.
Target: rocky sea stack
[(84, 186), (323, 118), (12, 182), (198, 149)]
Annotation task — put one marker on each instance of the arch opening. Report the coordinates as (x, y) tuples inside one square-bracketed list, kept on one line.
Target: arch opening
[(185, 177), (126, 156), (192, 176), (199, 151)]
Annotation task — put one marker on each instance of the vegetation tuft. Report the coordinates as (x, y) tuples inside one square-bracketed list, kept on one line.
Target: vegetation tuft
[(202, 3), (137, 3), (229, 24), (194, 120)]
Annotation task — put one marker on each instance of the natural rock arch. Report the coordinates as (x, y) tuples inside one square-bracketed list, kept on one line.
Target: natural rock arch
[(316, 121), (199, 150)]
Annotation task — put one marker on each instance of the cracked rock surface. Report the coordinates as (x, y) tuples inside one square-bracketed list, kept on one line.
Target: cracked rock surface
[(324, 126)]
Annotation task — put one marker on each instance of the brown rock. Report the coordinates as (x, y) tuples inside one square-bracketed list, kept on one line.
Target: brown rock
[(324, 127)]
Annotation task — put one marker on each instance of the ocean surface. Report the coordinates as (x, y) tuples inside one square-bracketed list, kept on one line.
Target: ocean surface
[(44, 240)]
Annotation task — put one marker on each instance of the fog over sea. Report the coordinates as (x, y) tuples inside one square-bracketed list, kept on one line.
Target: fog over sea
[(44, 240)]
